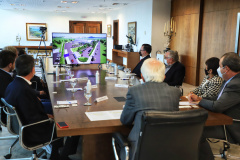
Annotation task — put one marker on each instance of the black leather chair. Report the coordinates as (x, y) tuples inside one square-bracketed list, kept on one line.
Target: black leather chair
[(166, 135), (22, 130), (6, 120)]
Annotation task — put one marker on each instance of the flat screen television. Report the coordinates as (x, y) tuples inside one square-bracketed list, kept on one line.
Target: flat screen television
[(79, 48)]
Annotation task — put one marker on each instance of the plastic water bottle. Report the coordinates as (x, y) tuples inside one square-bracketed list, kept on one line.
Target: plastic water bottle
[(57, 71), (89, 86), (116, 70), (97, 77)]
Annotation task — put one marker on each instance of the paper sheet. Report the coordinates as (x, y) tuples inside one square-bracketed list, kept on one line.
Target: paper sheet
[(186, 103), (104, 115), (67, 102), (194, 106), (114, 78), (75, 89), (121, 85)]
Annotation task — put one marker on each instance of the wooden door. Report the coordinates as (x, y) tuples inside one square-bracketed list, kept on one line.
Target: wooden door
[(115, 32), (85, 26)]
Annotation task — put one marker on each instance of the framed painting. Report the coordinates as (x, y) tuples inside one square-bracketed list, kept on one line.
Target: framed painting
[(132, 28), (34, 31), (109, 30)]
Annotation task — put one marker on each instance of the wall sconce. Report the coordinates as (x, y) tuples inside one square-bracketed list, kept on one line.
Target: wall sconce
[(170, 31), (18, 39)]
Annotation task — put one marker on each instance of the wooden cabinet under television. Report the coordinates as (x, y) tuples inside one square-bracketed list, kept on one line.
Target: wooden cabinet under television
[(132, 58)]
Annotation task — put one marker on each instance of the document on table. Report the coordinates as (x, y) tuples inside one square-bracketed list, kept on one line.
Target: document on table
[(113, 78), (189, 106), (121, 85), (186, 103), (67, 102), (104, 115)]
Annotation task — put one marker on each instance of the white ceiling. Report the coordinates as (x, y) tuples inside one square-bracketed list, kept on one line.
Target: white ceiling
[(83, 6)]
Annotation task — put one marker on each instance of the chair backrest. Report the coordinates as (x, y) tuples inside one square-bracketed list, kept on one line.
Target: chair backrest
[(24, 130), (12, 122), (170, 135)]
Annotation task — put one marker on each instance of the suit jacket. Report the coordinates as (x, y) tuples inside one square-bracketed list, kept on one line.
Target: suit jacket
[(175, 75), (137, 69), (147, 96), (228, 103), (5, 79), (29, 108)]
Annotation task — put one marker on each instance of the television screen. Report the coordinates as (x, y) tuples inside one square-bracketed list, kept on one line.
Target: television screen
[(79, 48)]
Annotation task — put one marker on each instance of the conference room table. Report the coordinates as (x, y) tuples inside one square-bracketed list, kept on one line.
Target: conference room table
[(96, 142)]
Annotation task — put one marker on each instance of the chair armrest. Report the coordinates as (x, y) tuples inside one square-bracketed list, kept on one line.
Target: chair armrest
[(37, 123), (6, 112), (120, 140)]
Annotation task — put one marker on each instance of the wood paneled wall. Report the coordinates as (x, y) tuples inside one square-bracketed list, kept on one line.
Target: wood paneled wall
[(186, 14), (205, 28)]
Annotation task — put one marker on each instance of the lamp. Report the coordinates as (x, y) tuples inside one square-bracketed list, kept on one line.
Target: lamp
[(18, 39)]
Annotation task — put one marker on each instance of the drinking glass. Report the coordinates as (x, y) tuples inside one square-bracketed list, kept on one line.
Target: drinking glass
[(73, 83), (71, 74), (131, 80), (107, 66), (87, 96)]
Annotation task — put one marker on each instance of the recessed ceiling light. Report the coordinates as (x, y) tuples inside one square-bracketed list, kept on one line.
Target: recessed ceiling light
[(12, 4), (74, 2), (63, 1)]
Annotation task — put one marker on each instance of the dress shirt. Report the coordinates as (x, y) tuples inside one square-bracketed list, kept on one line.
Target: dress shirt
[(224, 87), (30, 83)]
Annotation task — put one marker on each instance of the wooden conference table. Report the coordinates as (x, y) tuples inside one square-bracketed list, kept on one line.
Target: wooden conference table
[(96, 134)]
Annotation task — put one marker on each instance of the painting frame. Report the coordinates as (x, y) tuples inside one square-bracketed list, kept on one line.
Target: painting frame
[(33, 32), (109, 30), (132, 28)]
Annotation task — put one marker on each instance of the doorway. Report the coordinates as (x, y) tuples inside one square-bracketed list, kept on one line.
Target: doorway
[(85, 26), (115, 32)]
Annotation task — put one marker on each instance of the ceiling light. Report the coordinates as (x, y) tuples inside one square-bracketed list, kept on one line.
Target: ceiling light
[(67, 7), (63, 11), (63, 1), (74, 2), (59, 6), (12, 4)]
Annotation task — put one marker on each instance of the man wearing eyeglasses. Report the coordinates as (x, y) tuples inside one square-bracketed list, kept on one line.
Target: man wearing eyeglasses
[(175, 71), (145, 51)]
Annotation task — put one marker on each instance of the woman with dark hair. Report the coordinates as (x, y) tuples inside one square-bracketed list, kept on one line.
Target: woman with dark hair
[(212, 82)]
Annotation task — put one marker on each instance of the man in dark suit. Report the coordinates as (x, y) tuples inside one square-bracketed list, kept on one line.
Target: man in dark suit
[(226, 102), (154, 94), (175, 71), (30, 109), (7, 65), (145, 51)]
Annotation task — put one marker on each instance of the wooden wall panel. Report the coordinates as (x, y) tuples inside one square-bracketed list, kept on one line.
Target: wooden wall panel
[(218, 5), (218, 35), (186, 15), (184, 7)]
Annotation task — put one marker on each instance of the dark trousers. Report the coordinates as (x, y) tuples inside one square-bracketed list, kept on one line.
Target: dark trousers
[(205, 151), (70, 147)]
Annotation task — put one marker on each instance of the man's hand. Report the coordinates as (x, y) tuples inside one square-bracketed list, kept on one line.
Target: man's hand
[(194, 98), (50, 116), (42, 92)]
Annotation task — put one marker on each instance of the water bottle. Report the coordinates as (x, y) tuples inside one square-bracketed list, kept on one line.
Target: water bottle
[(97, 77), (116, 70), (89, 86), (57, 71)]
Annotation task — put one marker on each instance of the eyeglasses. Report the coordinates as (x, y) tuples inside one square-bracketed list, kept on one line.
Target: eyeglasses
[(167, 57), (142, 50)]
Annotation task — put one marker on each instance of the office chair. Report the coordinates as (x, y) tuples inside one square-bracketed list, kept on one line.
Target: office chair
[(22, 131), (6, 120), (166, 135)]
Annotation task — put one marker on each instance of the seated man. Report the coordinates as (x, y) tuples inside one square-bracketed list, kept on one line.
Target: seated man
[(226, 102), (30, 109), (175, 71), (7, 64), (145, 51), (154, 94)]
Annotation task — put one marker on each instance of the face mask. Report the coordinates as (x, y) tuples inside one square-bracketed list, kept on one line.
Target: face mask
[(140, 53), (206, 72), (219, 73), (165, 61)]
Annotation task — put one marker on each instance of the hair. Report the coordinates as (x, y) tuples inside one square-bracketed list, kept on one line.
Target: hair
[(232, 60), (153, 70), (147, 48), (213, 63), (24, 65), (6, 57), (173, 55), (21, 52), (11, 48)]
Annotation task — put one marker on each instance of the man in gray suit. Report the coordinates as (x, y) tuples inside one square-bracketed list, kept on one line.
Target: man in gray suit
[(227, 102), (154, 94)]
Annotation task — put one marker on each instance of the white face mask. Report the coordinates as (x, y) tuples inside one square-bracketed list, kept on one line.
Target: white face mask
[(165, 61), (219, 73)]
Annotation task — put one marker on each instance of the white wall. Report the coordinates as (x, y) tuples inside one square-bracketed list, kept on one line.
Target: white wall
[(161, 14), (14, 23), (140, 13)]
